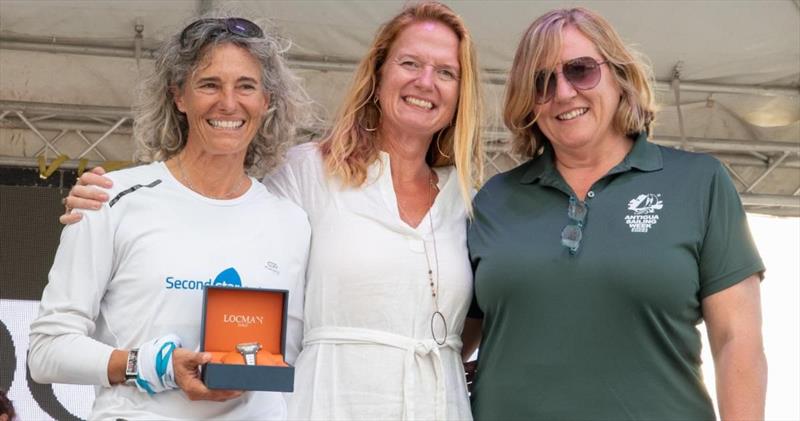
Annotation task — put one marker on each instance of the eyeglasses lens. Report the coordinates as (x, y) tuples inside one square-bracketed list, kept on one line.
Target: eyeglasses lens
[(582, 73), (244, 28), (237, 26), (545, 86), (577, 210), (572, 234)]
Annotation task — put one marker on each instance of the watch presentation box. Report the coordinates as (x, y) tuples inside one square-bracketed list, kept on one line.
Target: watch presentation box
[(244, 329)]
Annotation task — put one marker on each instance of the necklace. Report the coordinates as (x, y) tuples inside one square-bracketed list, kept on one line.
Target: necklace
[(404, 214), (438, 322), (228, 195)]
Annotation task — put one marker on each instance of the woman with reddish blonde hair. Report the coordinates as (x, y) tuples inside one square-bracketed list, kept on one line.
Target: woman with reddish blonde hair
[(387, 194), (354, 142), (595, 260)]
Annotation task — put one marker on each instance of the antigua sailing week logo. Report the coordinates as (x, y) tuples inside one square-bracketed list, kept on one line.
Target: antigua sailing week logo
[(643, 214)]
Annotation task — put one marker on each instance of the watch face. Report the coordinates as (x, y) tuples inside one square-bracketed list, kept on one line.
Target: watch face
[(248, 348), (132, 367)]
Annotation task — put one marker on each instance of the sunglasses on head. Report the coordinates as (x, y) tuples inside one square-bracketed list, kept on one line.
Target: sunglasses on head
[(582, 73), (237, 26)]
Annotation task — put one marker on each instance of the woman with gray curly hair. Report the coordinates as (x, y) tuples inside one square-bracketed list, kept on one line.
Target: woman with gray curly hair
[(123, 303)]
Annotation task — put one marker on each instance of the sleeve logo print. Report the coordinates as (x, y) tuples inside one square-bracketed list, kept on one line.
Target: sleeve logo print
[(644, 208)]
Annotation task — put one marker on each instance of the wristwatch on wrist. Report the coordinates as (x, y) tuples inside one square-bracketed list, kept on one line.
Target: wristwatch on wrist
[(248, 351), (132, 366)]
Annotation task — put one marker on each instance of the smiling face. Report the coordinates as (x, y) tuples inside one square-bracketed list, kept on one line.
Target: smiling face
[(575, 118), (224, 101), (418, 88)]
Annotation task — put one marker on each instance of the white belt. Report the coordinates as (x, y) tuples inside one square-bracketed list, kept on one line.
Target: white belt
[(414, 348)]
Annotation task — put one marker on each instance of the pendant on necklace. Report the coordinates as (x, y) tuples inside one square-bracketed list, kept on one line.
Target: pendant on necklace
[(438, 328)]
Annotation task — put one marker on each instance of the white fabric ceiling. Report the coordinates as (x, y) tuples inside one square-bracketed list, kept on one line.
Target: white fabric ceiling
[(74, 52)]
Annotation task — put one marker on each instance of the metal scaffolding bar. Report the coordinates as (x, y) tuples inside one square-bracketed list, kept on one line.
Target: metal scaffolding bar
[(14, 161), (126, 48), (748, 161), (728, 145), (733, 173), (53, 141), (69, 125), (89, 142), (78, 110), (766, 172), (750, 199), (102, 138), (39, 134)]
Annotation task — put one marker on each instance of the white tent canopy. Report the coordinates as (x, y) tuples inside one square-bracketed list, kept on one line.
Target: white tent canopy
[(68, 70)]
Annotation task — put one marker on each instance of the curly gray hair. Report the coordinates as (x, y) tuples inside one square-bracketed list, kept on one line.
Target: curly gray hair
[(160, 130)]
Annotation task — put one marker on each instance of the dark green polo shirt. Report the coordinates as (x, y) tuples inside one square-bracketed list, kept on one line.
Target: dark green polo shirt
[(608, 333)]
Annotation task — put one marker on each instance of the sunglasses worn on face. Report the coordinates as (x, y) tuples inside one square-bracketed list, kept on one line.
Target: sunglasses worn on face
[(237, 26), (572, 234), (582, 73)]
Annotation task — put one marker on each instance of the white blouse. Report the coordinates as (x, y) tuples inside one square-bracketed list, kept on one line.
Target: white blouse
[(368, 351)]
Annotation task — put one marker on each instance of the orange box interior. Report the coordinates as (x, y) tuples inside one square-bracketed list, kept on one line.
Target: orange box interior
[(237, 315)]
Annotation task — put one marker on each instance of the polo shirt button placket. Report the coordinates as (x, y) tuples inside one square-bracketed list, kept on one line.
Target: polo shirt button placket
[(590, 195)]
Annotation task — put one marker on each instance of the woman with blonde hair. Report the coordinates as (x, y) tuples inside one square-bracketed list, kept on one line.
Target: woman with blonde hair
[(387, 194), (595, 260)]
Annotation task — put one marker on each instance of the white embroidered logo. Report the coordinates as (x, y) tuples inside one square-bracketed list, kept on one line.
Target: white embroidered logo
[(644, 208), (272, 267)]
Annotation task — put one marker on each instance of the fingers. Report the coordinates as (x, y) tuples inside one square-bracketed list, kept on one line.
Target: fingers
[(69, 218), (470, 369), (94, 178), (85, 197), (98, 170), (185, 363), (217, 395)]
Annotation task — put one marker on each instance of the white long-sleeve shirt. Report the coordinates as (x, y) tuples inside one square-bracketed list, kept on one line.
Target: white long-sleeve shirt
[(136, 269), (368, 349)]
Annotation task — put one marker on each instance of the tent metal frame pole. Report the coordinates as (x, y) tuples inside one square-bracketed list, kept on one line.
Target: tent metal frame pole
[(73, 117), (127, 49)]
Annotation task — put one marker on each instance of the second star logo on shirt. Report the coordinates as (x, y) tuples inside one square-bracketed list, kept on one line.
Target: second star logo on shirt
[(644, 207)]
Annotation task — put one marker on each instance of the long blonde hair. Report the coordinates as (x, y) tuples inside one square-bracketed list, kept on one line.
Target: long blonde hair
[(540, 48), (352, 144)]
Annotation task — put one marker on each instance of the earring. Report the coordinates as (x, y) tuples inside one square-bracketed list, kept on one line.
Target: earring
[(438, 146), (377, 107)]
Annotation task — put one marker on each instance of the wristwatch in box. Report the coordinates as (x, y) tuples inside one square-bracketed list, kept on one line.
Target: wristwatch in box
[(248, 351)]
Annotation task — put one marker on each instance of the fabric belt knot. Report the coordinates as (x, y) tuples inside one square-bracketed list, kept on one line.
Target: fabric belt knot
[(426, 347), (415, 349)]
